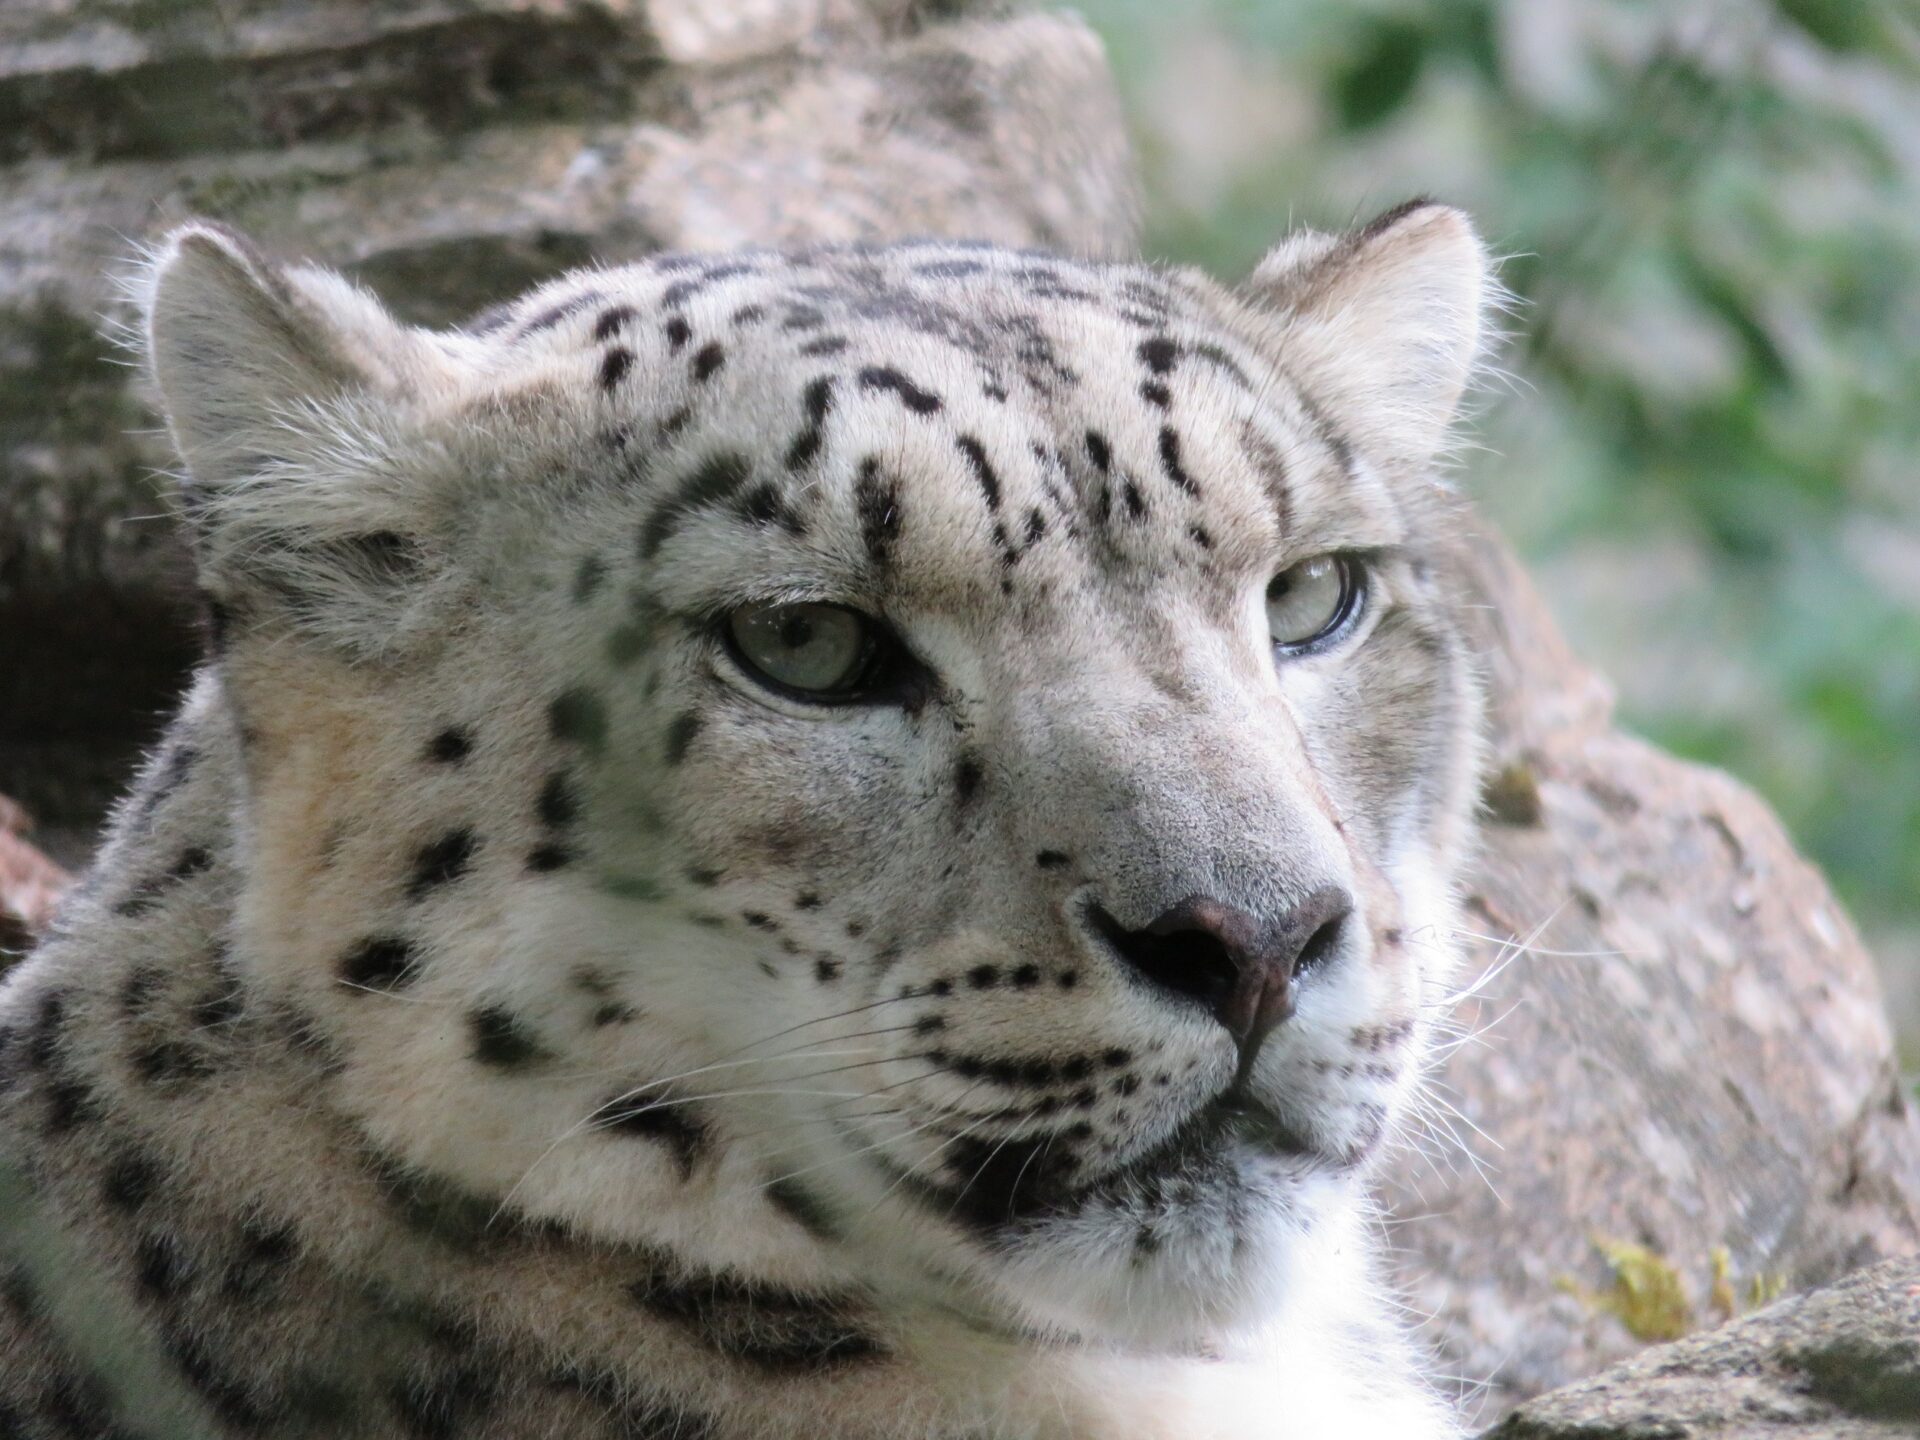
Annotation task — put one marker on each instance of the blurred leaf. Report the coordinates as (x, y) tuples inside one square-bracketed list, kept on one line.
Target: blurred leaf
[(1837, 24), (1382, 75)]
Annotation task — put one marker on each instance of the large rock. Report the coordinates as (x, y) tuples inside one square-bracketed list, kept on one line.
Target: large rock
[(1692, 1054), (1840, 1364), (1685, 1051)]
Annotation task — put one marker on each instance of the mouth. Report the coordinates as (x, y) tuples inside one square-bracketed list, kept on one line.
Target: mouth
[(1008, 1187)]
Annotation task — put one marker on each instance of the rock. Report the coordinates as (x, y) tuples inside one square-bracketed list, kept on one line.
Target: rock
[(1842, 1363), (1692, 1056)]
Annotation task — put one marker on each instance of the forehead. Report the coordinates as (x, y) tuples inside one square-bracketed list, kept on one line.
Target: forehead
[(937, 417)]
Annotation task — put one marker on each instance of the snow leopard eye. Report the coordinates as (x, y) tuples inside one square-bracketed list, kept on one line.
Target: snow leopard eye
[(1313, 602), (821, 651)]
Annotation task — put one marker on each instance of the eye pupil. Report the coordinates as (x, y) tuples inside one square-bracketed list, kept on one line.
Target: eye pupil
[(795, 632)]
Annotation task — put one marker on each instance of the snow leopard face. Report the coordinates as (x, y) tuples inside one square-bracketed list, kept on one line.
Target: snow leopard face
[(930, 764)]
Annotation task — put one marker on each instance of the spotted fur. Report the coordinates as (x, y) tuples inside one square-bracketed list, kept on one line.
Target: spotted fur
[(495, 1014)]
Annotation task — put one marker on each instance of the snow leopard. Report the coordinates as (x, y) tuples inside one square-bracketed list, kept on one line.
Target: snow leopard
[(846, 841)]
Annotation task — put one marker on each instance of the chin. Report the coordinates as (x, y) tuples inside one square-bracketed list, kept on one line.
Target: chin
[(1197, 1259)]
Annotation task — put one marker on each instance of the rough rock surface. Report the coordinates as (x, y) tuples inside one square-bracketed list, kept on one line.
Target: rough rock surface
[(1692, 1056), (1840, 1364)]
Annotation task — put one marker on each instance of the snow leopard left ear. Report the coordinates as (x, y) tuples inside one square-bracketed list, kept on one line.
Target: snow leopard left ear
[(1383, 325)]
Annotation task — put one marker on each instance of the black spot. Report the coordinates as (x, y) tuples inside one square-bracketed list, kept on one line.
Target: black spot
[(1156, 394), (949, 269), (170, 1060), (807, 900), (614, 367), (1068, 979), (709, 358), (545, 859), (1170, 461), (802, 1207), (657, 1117), (1158, 353), (1136, 502), (578, 716), (676, 421), (678, 332), (49, 1021), (547, 319), (129, 1182), (680, 735), (1036, 526), (450, 746), (1116, 1057), (445, 1404), (440, 862), (611, 320), (70, 1104), (702, 876), (381, 962), (929, 1025), (1026, 977), (825, 969), (877, 497), (1099, 451), (748, 315), (680, 291), (826, 345), (919, 401), (265, 1253), (967, 777), (817, 402), (983, 472), (219, 1006), (161, 1267), (760, 920), (559, 803), (1052, 860), (1199, 535), (983, 977), (502, 1042), (774, 1330), (803, 317), (716, 480), (586, 580)]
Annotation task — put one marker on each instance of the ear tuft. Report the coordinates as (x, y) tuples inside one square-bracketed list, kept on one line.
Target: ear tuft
[(1385, 323)]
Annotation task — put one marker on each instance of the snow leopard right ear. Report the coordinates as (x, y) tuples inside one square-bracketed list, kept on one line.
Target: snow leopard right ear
[(241, 348), (289, 393)]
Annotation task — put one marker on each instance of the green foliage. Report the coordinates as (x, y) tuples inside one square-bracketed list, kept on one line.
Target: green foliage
[(1710, 453)]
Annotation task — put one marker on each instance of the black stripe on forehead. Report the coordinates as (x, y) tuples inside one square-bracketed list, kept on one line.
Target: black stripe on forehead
[(713, 482)]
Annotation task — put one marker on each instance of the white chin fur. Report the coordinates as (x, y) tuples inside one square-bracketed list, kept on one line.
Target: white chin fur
[(1203, 1283)]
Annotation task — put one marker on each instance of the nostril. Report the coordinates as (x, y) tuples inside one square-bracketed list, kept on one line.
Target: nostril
[(1189, 962), (1320, 947)]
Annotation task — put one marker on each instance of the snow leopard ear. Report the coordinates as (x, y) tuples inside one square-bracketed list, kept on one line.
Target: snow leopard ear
[(240, 347), (280, 386), (1382, 325)]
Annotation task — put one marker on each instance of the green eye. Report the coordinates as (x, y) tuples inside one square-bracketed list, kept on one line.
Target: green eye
[(1312, 601), (823, 650)]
